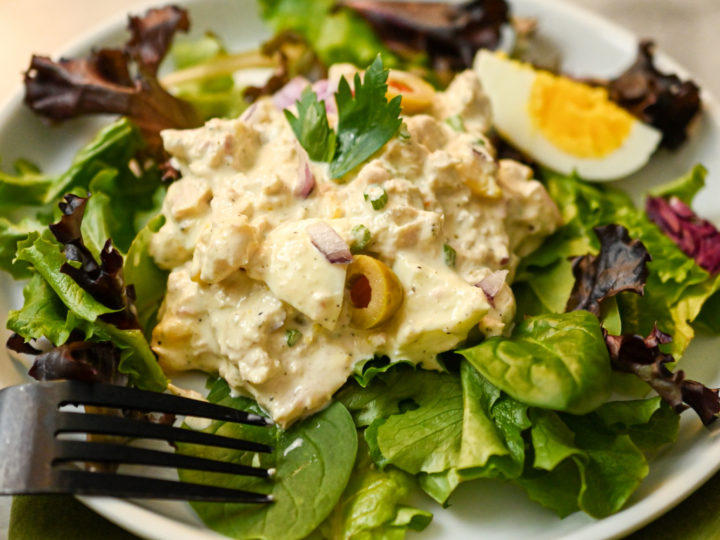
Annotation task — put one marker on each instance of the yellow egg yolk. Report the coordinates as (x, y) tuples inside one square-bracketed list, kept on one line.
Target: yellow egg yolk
[(577, 118)]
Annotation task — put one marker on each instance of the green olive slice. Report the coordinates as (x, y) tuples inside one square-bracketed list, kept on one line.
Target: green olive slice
[(375, 292)]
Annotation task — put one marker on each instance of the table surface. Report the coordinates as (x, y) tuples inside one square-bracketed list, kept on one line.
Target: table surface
[(687, 30)]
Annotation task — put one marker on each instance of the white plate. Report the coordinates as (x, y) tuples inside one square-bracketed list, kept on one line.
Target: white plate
[(487, 509)]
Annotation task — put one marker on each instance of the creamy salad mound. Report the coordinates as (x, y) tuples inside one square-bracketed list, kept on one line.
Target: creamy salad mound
[(437, 224)]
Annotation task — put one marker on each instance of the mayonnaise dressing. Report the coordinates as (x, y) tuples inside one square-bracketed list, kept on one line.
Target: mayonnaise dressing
[(244, 271)]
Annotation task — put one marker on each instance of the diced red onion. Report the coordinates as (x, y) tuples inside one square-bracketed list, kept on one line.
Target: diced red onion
[(306, 179), (290, 93), (329, 243), (325, 90), (492, 284), (248, 112)]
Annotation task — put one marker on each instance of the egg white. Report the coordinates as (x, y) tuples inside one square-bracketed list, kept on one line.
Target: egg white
[(508, 86)]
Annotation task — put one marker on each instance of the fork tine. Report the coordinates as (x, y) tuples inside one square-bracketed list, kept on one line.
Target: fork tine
[(140, 487), (107, 395), (70, 422), (66, 451)]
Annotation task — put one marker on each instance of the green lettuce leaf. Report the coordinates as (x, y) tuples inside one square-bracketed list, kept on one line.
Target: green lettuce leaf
[(366, 370), (556, 362), (102, 166), (336, 33), (44, 254), (371, 507), (149, 281), (594, 462), (447, 432), (426, 435), (314, 459), (214, 95), (684, 188), (55, 306), (137, 360), (676, 288), (10, 234), (649, 422), (43, 314), (27, 187), (114, 145), (120, 205), (441, 427)]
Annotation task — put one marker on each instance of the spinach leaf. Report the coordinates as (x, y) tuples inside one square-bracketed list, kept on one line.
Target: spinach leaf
[(314, 459), (552, 361)]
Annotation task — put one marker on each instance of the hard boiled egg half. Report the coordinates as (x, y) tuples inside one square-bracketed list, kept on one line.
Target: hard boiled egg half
[(563, 124)]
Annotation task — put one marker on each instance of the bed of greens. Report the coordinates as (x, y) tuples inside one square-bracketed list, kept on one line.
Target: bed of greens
[(570, 408)]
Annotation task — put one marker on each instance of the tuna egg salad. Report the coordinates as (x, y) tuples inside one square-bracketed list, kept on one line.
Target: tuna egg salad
[(283, 279)]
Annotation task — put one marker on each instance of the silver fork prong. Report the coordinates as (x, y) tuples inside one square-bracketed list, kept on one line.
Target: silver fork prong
[(85, 451), (107, 395), (71, 422), (140, 487), (35, 459)]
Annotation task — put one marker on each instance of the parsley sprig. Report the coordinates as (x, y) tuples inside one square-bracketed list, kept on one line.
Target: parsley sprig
[(366, 121)]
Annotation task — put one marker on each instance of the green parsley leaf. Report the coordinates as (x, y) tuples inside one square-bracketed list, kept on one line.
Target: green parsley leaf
[(377, 196), (366, 121), (449, 255), (292, 336), (311, 127), (456, 122), (403, 132), (361, 238)]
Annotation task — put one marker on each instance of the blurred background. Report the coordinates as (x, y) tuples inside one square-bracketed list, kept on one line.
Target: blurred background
[(687, 30)]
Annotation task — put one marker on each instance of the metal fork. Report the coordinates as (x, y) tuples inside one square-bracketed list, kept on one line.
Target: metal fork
[(34, 460)]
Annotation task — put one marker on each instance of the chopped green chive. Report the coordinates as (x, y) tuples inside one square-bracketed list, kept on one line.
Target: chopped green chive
[(292, 336), (456, 122), (403, 132), (449, 255), (361, 238), (377, 196)]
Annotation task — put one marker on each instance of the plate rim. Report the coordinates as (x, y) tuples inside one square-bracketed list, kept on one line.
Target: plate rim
[(148, 523)]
